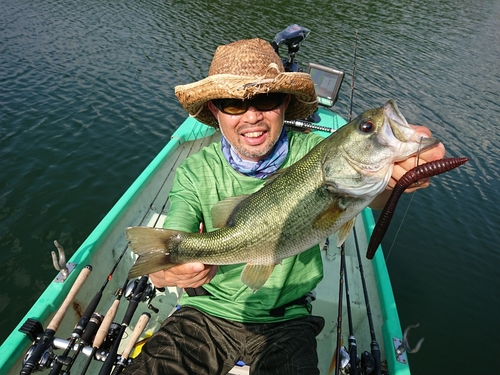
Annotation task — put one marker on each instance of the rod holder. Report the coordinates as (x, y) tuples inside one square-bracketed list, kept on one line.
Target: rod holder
[(61, 265)]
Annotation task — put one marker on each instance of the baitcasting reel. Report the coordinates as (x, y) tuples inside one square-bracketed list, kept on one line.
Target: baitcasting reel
[(147, 295), (364, 366)]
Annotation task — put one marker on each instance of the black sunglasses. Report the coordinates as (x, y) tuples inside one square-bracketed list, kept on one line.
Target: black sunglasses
[(262, 102)]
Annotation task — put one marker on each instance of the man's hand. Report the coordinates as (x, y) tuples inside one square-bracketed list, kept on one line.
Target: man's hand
[(434, 153), (187, 275)]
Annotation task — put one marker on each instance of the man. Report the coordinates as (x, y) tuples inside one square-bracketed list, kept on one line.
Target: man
[(247, 95)]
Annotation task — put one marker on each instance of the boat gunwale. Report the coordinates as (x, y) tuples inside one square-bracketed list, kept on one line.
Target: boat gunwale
[(53, 295), (50, 300)]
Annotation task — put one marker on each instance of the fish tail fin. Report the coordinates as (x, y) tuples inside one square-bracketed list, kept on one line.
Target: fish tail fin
[(154, 247)]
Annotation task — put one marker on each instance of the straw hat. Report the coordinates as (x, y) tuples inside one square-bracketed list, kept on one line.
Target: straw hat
[(242, 70)]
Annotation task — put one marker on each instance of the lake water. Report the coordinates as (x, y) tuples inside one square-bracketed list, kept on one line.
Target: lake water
[(87, 100)]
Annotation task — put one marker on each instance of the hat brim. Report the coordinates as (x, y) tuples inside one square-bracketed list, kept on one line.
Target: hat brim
[(194, 97)]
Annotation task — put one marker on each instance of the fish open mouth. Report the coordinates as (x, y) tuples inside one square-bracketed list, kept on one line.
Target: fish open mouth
[(399, 135)]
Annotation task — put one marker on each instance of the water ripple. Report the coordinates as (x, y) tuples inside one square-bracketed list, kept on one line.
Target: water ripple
[(87, 99)]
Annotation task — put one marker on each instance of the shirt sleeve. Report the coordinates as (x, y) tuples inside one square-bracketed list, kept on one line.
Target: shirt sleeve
[(185, 208)]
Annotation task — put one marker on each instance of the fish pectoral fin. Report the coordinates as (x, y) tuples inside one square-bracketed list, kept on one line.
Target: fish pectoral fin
[(344, 231), (224, 208), (151, 263), (255, 275), (328, 217)]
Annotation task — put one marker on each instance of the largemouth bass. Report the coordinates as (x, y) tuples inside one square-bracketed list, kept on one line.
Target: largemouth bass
[(297, 208)]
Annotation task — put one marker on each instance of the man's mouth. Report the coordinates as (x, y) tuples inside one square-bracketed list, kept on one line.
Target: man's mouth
[(254, 138), (253, 134)]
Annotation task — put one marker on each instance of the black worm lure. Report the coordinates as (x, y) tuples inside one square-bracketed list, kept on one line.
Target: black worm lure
[(426, 170)]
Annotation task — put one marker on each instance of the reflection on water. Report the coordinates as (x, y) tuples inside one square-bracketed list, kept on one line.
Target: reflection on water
[(86, 101)]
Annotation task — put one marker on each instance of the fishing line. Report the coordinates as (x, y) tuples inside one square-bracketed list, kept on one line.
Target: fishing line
[(399, 227), (407, 207), (353, 73)]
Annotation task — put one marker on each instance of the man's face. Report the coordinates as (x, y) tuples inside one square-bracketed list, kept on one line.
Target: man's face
[(254, 133)]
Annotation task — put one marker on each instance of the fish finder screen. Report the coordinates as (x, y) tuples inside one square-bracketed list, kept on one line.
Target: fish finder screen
[(327, 83)]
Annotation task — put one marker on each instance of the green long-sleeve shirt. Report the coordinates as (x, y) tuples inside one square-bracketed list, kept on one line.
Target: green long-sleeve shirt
[(206, 178)]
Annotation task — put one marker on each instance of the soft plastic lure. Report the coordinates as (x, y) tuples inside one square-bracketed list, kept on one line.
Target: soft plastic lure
[(426, 170)]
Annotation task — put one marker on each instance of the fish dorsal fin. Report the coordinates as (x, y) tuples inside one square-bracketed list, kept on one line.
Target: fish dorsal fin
[(255, 275), (224, 208), (344, 231)]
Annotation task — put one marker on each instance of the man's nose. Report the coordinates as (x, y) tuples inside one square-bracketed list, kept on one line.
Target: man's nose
[(253, 115)]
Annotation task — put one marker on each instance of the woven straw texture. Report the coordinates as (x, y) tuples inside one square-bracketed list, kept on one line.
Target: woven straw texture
[(242, 70)]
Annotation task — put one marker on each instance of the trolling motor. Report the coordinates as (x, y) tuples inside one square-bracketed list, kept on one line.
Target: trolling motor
[(292, 36), (327, 81)]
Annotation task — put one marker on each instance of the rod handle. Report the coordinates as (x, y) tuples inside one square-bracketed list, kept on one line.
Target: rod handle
[(57, 319), (102, 332), (139, 328), (111, 358), (82, 324), (375, 350), (91, 329)]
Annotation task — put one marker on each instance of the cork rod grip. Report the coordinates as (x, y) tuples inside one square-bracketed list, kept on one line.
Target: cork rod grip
[(139, 327), (58, 317), (106, 323)]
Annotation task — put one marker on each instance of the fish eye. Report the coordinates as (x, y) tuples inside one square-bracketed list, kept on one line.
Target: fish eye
[(367, 127)]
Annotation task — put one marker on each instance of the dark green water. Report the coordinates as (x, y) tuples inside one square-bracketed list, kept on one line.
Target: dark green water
[(86, 101)]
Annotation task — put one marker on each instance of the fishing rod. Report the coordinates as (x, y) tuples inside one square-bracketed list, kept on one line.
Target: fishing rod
[(375, 349), (353, 355), (353, 73), (139, 293), (139, 328), (76, 335), (82, 324), (43, 341), (343, 274), (102, 332), (92, 326), (353, 351), (307, 125), (339, 315)]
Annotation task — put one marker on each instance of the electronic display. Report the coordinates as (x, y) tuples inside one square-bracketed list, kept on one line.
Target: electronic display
[(327, 83)]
